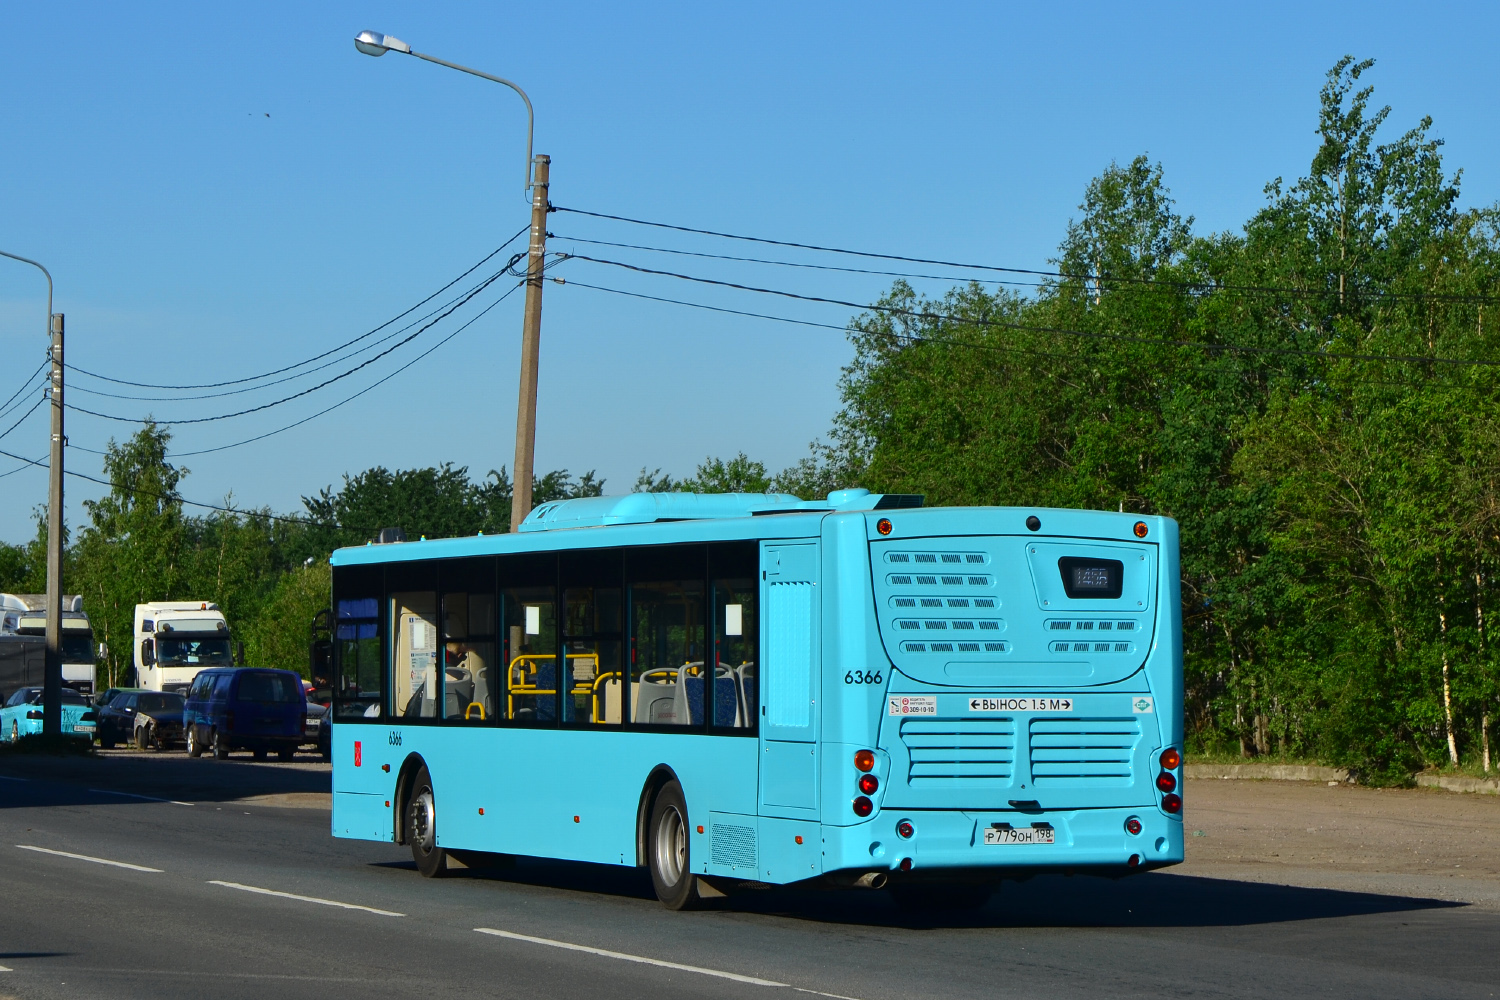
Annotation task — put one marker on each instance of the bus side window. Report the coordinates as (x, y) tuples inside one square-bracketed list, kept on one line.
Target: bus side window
[(359, 674), (592, 598), (414, 662), (528, 637), (470, 672), (736, 623), (666, 635)]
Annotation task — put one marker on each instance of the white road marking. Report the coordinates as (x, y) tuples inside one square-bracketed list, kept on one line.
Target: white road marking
[(305, 899), (132, 795), (85, 857), (629, 958), (6, 968)]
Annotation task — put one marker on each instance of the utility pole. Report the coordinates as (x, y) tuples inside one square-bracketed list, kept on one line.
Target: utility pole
[(52, 695), (531, 339)]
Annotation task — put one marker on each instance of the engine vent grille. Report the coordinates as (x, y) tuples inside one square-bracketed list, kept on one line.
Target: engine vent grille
[(1074, 751), (734, 846), (948, 750)]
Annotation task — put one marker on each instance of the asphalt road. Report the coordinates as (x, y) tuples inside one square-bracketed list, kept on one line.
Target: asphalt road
[(108, 895)]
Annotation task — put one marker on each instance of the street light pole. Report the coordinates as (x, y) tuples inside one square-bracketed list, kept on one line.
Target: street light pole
[(52, 678), (373, 43)]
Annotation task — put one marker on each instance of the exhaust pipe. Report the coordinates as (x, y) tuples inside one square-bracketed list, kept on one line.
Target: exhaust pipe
[(872, 880)]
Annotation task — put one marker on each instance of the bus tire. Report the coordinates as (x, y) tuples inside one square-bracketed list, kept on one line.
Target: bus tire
[(421, 827), (194, 748), (669, 850)]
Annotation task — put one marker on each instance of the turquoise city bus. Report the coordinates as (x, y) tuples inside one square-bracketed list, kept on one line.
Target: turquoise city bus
[(751, 688)]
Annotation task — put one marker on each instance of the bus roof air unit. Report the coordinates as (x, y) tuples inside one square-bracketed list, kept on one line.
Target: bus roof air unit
[(645, 508)]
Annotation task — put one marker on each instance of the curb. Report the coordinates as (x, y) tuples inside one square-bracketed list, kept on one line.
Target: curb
[(1454, 783), (1269, 772)]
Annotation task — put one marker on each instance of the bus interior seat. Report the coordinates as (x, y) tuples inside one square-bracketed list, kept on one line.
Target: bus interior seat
[(744, 676), (688, 697), (655, 700)]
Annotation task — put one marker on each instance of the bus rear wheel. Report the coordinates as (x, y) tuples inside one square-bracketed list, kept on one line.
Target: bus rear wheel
[(669, 850), (421, 828)]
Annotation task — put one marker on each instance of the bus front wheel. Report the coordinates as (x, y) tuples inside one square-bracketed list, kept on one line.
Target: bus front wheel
[(669, 850), (421, 828)]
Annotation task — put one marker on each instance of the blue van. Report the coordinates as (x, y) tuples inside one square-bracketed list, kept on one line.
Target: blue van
[(245, 708)]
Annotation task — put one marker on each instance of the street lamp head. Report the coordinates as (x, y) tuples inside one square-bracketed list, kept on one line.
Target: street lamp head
[(373, 43)]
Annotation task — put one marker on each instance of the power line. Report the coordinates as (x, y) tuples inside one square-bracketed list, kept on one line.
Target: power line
[(28, 413), (170, 496), (1209, 285), (24, 385), (288, 378), (799, 264), (327, 382), (387, 378), (318, 357), (1026, 327), (919, 339)]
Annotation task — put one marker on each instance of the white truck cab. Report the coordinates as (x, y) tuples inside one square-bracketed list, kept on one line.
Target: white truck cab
[(175, 640)]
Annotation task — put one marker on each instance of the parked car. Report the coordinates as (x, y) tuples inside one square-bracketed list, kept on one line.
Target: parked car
[(117, 717), (108, 695), (245, 708), (158, 720), (318, 730), (22, 714)]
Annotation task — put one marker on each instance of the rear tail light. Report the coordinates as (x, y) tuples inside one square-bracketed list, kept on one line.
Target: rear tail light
[(1166, 782), (1132, 826), (905, 864), (868, 783), (1172, 803), (229, 720), (863, 806), (864, 760), (905, 830), (1134, 862), (1170, 758)]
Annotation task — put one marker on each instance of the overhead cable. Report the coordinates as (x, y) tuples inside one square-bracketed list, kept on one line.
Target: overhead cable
[(1087, 334), (317, 357), (1208, 284)]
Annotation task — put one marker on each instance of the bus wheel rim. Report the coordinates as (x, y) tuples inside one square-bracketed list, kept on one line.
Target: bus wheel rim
[(424, 819), (671, 845)]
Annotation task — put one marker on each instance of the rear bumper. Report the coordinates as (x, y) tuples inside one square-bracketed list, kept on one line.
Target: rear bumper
[(953, 839)]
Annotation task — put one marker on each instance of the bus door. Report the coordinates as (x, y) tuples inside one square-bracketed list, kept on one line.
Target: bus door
[(789, 680)]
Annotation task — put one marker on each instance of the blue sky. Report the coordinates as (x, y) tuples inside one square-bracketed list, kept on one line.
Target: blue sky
[(222, 190)]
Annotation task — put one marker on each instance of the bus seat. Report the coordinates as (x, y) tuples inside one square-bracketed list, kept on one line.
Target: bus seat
[(687, 698), (726, 698), (655, 701)]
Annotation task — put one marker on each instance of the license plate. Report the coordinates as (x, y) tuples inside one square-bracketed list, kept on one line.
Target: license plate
[(1025, 835), (83, 729)]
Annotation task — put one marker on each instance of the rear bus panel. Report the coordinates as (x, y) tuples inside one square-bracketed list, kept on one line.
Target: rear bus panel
[(1008, 699)]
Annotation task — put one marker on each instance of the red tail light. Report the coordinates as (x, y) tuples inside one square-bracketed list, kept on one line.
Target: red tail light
[(905, 830), (1166, 782), (868, 783), (863, 806), (864, 760), (229, 720), (1170, 758), (1132, 826), (1172, 803), (905, 864), (1134, 862)]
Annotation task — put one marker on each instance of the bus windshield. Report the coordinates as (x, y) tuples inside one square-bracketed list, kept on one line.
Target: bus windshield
[(194, 652)]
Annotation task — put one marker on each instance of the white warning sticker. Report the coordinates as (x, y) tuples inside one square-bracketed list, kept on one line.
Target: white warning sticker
[(913, 704), (1046, 703)]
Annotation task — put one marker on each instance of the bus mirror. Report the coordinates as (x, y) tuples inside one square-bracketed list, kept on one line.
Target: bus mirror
[(148, 654), (103, 651), (320, 663)]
